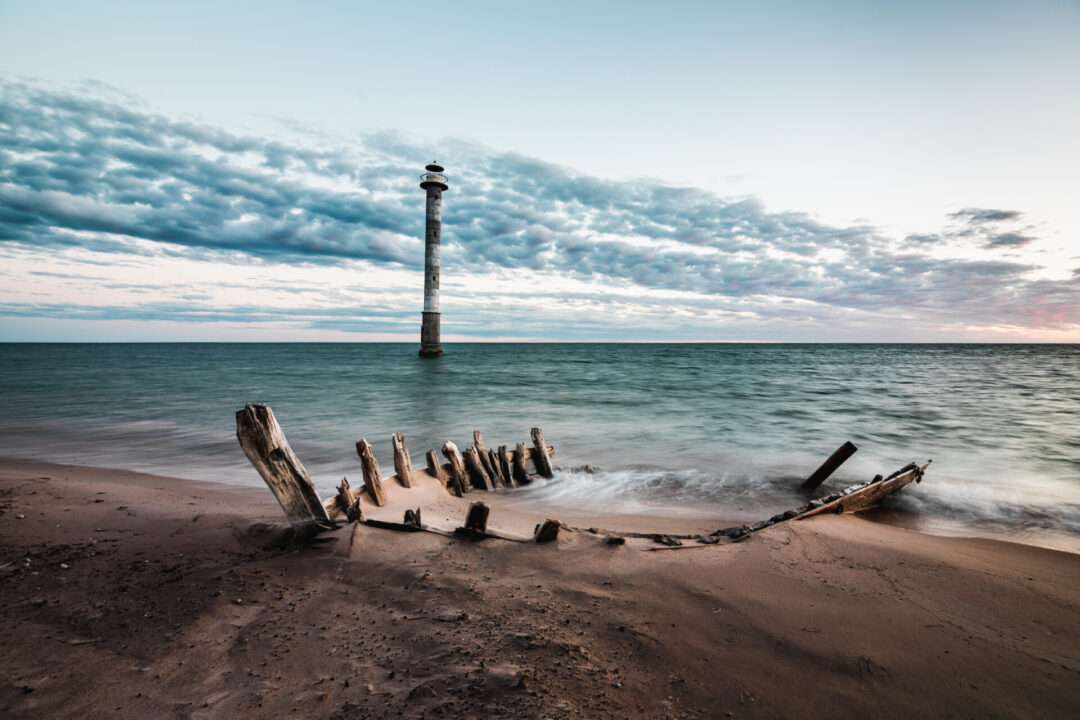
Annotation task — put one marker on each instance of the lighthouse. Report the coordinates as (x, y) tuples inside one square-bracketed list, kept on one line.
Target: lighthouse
[(434, 182)]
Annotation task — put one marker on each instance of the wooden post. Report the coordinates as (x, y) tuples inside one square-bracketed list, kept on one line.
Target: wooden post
[(344, 496), (477, 519), (829, 466), (457, 468), (355, 512), (540, 456), (521, 475), (372, 476), (496, 467), (478, 443), (504, 463), (476, 470), (402, 461), (435, 468), (264, 443), (547, 531)]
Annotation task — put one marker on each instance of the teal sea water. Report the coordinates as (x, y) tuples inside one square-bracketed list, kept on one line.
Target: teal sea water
[(680, 428)]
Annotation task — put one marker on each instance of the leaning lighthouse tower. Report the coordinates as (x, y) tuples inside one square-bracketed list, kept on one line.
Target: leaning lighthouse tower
[(434, 182)]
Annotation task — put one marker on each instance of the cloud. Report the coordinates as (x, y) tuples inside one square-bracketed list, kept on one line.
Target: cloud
[(81, 172), (983, 215)]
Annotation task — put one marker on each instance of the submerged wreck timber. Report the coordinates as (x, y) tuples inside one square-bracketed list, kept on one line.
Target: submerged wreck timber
[(478, 468)]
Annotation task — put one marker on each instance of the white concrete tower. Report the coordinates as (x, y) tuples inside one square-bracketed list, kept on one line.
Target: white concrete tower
[(435, 183)]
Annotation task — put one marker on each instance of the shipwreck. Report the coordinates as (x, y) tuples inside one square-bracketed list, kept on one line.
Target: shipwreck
[(480, 469)]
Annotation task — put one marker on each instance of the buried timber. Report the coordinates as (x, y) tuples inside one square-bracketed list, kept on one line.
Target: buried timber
[(438, 490)]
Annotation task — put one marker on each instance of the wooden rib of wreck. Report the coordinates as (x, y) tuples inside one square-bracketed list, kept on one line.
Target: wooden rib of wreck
[(265, 445)]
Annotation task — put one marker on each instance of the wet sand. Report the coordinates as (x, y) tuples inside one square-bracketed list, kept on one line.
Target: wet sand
[(128, 595)]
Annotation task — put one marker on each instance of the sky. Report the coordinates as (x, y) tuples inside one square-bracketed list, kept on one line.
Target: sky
[(619, 171)]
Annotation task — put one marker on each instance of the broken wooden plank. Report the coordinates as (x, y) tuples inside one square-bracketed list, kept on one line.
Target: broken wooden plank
[(829, 466), (504, 463), (372, 476), (540, 456), (521, 475), (402, 461), (458, 477), (264, 443), (547, 531), (435, 468), (860, 497), (476, 470)]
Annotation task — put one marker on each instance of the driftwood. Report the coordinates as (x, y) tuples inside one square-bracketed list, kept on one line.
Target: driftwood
[(264, 443), (521, 475), (412, 517), (829, 466), (540, 455), (402, 461), (547, 531), (435, 468), (372, 476), (504, 463), (476, 470), (458, 477)]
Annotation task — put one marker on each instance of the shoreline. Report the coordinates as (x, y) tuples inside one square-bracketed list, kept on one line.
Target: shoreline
[(177, 587)]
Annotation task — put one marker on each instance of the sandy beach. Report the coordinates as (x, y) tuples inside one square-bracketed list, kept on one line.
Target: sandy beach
[(128, 595)]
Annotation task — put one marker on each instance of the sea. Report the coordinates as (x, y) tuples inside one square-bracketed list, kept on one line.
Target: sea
[(696, 430)]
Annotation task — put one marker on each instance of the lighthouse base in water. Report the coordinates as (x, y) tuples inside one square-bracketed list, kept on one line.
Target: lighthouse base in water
[(429, 335)]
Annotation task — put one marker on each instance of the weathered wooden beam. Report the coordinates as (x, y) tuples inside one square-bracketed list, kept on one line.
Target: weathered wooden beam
[(435, 468), (458, 477), (829, 466), (355, 512), (521, 475), (476, 470), (372, 476), (481, 451), (264, 443), (402, 461), (547, 531), (504, 463), (860, 497), (540, 457)]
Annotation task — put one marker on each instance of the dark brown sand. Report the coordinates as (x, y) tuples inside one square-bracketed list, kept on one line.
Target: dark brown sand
[(128, 595)]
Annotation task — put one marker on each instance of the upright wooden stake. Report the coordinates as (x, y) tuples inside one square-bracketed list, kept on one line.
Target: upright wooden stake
[(372, 476), (504, 462), (478, 443), (477, 519), (496, 467), (402, 461), (457, 468), (476, 470), (829, 466), (264, 443), (435, 468), (344, 496), (540, 454), (521, 475), (547, 531)]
